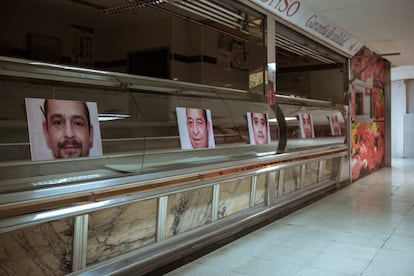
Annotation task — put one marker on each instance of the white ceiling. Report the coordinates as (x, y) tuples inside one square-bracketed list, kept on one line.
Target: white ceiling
[(385, 26)]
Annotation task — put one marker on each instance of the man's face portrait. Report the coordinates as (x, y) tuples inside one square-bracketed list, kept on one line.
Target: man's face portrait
[(67, 128), (259, 126), (198, 127), (307, 125)]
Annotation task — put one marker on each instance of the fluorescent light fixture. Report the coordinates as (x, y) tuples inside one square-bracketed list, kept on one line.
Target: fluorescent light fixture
[(274, 120), (260, 154), (291, 118), (111, 117)]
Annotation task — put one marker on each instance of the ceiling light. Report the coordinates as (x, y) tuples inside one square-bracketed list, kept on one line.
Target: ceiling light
[(112, 117)]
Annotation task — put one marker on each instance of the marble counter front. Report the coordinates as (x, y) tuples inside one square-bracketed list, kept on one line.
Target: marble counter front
[(44, 249), (188, 210), (234, 196), (121, 229)]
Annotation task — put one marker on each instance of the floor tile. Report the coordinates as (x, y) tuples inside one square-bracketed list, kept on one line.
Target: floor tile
[(353, 250), (389, 262), (260, 267), (228, 259), (403, 245), (312, 271), (290, 255), (339, 263), (202, 270)]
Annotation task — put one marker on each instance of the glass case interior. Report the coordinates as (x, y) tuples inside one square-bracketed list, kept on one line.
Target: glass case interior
[(141, 124)]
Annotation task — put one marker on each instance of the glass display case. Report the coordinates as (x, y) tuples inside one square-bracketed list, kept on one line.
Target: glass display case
[(103, 168), (137, 124), (310, 123)]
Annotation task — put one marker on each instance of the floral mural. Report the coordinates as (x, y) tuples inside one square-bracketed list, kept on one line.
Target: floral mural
[(378, 103), (368, 148), (368, 144)]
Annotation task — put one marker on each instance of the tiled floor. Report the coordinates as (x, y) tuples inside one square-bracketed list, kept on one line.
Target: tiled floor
[(365, 229)]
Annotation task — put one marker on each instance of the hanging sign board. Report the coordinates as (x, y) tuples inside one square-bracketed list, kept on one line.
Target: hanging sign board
[(297, 13)]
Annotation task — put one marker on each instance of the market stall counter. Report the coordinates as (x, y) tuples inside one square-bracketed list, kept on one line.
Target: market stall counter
[(99, 171)]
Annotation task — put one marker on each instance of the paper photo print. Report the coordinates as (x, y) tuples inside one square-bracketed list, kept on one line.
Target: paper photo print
[(306, 125), (195, 128), (62, 128), (335, 125), (259, 132)]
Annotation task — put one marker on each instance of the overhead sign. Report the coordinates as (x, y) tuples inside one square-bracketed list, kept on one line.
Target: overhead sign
[(297, 13)]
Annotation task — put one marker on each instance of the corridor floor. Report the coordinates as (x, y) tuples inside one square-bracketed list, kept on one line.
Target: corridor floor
[(365, 229)]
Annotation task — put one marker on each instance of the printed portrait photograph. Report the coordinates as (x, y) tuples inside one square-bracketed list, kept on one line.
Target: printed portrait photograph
[(258, 124), (195, 128), (335, 125), (306, 125), (62, 129)]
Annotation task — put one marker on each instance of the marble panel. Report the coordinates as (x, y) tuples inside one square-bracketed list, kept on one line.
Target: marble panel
[(311, 174), (291, 179), (188, 210), (234, 196), (120, 229), (44, 249), (261, 189), (274, 191), (330, 168)]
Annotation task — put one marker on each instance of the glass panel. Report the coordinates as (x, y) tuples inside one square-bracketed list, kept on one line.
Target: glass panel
[(111, 105), (239, 110), (324, 121), (124, 135), (131, 122), (320, 120)]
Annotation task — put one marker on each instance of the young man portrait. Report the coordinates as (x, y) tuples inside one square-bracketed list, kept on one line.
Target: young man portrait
[(66, 127), (258, 128), (335, 125), (306, 125)]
